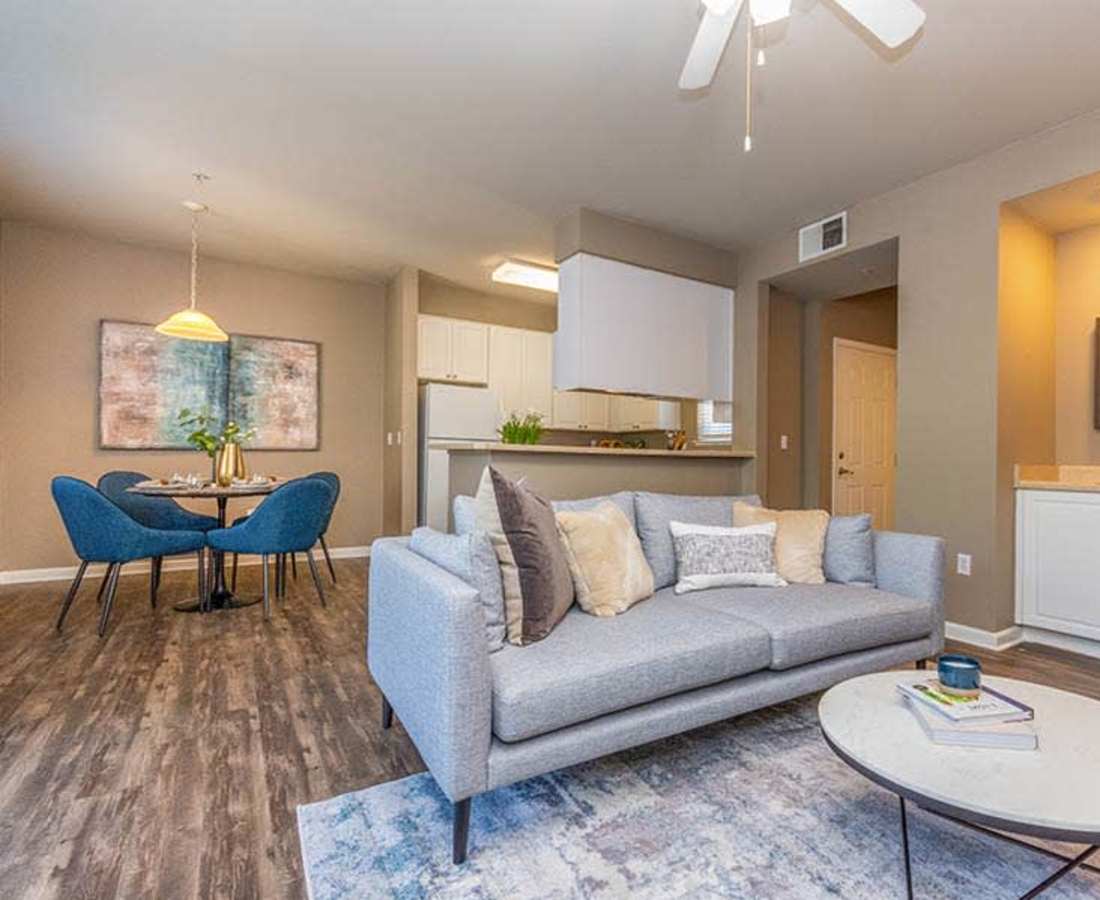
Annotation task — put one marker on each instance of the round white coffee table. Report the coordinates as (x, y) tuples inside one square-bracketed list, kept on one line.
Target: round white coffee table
[(1052, 793)]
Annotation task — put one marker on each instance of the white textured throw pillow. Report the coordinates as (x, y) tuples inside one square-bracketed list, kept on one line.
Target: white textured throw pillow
[(708, 556)]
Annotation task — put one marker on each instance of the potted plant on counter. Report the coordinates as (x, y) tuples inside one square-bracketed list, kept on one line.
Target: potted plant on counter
[(517, 429)]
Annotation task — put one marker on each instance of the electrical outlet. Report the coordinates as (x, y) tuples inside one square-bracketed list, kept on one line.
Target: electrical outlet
[(389, 438), (784, 442), (399, 438), (962, 564)]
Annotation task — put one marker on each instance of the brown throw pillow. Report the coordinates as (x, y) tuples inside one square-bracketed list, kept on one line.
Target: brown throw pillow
[(538, 587), (610, 571), (799, 539)]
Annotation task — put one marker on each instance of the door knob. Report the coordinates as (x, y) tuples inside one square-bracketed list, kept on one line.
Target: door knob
[(844, 471)]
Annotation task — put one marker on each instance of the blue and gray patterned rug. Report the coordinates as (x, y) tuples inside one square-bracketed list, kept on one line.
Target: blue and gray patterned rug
[(757, 807)]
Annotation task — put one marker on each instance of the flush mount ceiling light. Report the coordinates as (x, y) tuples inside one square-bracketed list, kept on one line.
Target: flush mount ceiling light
[(190, 324), (891, 22), (525, 274)]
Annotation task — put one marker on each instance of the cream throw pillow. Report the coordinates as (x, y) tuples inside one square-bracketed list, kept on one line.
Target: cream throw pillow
[(799, 539), (610, 571)]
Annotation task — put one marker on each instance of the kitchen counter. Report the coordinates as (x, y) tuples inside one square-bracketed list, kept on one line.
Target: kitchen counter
[(1058, 478), (560, 472), (582, 450)]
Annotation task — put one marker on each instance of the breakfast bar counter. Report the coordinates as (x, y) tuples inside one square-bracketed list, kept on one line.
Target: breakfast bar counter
[(561, 472)]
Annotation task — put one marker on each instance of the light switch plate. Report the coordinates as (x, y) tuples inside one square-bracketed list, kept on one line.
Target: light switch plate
[(784, 442), (962, 565)]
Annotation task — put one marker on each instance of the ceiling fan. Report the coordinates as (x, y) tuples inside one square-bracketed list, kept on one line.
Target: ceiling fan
[(892, 22)]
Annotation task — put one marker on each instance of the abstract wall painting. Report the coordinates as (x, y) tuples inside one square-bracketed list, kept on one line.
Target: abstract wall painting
[(274, 389), (145, 379)]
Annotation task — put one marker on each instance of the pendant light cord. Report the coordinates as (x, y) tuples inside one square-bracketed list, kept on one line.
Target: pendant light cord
[(194, 255), (748, 87)]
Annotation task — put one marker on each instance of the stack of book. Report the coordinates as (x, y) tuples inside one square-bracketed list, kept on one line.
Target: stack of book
[(990, 719)]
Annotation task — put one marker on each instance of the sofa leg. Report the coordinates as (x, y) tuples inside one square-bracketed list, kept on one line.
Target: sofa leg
[(461, 830), (387, 713), (922, 664)]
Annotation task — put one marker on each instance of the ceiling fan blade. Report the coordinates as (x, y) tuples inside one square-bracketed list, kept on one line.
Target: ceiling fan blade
[(708, 46), (719, 7), (892, 21)]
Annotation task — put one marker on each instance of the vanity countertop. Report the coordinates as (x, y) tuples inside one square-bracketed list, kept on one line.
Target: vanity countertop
[(1057, 478)]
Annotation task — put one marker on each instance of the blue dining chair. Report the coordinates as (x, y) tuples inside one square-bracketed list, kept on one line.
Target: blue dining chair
[(101, 532), (152, 512), (288, 521), (333, 481)]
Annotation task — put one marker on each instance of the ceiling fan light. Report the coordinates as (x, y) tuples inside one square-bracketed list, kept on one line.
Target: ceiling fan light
[(764, 12), (192, 325)]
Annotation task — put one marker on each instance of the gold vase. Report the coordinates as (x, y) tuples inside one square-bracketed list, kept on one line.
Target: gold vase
[(229, 459)]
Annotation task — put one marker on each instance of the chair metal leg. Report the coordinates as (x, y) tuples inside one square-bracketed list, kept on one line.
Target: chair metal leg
[(387, 714), (461, 836), (328, 559), (279, 576), (233, 580), (294, 566), (154, 579), (109, 599), (73, 588), (267, 594), (316, 577), (102, 587)]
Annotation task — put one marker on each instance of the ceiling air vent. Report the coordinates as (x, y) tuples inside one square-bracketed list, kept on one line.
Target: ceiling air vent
[(823, 237)]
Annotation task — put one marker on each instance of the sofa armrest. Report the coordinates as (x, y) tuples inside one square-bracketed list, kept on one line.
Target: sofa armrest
[(426, 650), (913, 565)]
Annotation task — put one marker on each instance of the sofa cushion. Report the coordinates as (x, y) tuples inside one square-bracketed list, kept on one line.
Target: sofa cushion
[(623, 499), (589, 667), (464, 514), (470, 557), (654, 513), (850, 550), (811, 622)]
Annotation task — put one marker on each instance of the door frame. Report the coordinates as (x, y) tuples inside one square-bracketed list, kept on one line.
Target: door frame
[(839, 342)]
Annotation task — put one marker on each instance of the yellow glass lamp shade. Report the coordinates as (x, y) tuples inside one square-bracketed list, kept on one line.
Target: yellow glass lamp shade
[(192, 325)]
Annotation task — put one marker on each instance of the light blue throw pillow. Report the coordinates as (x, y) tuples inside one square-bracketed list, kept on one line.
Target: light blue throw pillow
[(464, 513), (472, 558), (850, 550), (656, 511)]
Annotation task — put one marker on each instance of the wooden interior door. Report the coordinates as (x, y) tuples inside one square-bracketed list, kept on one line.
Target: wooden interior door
[(864, 423)]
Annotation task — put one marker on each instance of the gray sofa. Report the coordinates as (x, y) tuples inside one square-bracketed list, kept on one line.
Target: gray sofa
[(595, 686)]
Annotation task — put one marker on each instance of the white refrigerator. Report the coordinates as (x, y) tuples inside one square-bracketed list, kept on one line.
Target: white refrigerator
[(449, 412)]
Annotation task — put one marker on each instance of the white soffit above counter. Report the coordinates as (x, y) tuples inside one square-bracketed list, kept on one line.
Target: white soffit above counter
[(627, 329)]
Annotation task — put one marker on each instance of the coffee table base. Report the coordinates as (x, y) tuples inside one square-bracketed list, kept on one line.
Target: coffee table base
[(1070, 862)]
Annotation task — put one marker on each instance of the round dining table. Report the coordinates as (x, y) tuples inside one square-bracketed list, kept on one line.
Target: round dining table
[(221, 597)]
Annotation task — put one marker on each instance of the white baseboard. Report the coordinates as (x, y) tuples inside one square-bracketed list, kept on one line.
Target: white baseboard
[(141, 567), (988, 640), (1021, 634)]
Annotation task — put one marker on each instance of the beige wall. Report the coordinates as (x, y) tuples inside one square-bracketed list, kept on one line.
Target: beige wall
[(641, 245), (1077, 307), (56, 286), (871, 318), (1025, 374), (947, 224), (439, 297), (785, 415)]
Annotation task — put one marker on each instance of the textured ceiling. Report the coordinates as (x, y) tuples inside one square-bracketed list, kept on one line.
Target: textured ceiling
[(349, 137)]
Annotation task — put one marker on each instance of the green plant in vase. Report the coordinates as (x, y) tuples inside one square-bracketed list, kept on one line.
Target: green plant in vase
[(517, 429), (206, 441)]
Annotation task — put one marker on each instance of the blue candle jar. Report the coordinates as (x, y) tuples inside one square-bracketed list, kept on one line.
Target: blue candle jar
[(960, 673)]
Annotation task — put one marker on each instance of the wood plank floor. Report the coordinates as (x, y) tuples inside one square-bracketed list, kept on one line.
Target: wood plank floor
[(167, 760)]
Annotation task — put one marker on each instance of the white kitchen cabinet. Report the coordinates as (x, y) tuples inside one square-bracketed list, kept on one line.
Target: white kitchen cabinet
[(452, 350), (580, 411), (1058, 561), (520, 365), (631, 330), (640, 414)]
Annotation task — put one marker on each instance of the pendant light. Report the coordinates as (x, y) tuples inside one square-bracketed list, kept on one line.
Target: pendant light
[(190, 324)]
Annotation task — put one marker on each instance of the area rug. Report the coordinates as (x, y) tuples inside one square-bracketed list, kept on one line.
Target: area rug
[(756, 807)]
